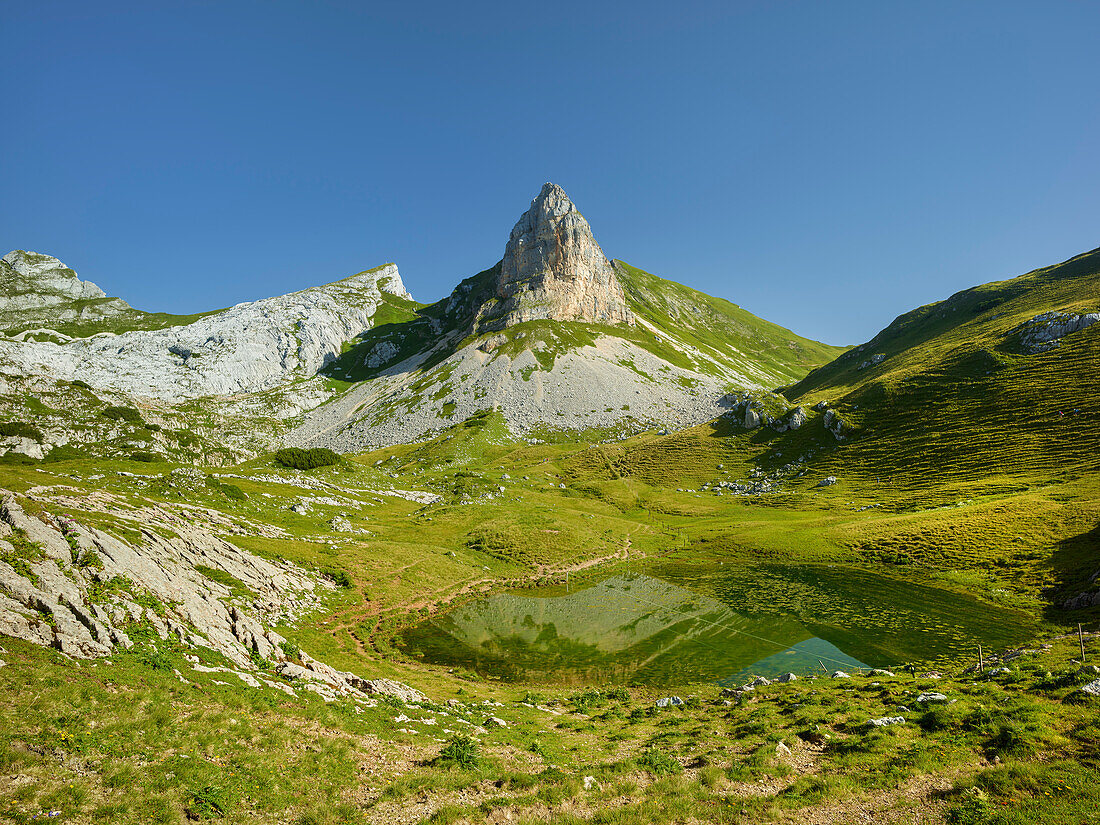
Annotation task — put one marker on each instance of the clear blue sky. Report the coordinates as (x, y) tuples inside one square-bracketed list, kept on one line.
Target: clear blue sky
[(827, 165)]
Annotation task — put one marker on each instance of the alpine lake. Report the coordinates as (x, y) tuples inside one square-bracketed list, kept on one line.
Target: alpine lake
[(677, 624)]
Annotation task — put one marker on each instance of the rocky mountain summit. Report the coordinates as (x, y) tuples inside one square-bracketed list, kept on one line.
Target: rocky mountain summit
[(38, 289), (553, 268), (555, 336)]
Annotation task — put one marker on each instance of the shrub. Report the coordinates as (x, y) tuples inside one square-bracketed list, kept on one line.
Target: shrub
[(291, 650), (89, 559), (338, 577), (142, 455), (21, 429), (972, 810), (460, 750), (230, 491), (659, 763), (585, 699), (295, 458), (122, 414), (157, 660)]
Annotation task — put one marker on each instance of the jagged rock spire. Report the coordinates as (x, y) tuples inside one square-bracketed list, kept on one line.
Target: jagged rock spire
[(554, 269)]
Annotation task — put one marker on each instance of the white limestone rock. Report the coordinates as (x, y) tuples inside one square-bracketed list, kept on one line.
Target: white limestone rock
[(251, 347), (554, 269), (1045, 331)]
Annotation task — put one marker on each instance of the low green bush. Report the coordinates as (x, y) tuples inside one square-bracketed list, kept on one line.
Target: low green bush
[(659, 763), (21, 429), (122, 414), (230, 491), (338, 577), (295, 458), (460, 751), (209, 802)]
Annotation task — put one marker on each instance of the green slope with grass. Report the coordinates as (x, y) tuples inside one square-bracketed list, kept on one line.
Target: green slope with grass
[(712, 328)]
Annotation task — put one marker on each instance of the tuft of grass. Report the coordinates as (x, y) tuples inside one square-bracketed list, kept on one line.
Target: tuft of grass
[(460, 751)]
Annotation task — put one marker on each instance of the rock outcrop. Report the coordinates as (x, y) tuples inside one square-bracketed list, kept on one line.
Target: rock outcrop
[(250, 347), (84, 592), (1046, 331), (36, 287), (554, 269)]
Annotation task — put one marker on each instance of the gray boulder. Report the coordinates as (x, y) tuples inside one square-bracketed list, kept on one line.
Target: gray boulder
[(886, 721), (930, 698)]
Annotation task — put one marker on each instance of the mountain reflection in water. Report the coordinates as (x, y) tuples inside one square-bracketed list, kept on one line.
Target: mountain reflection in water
[(654, 631)]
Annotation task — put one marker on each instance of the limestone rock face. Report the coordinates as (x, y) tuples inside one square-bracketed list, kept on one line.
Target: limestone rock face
[(251, 347), (1046, 331), (30, 280), (39, 288), (554, 269)]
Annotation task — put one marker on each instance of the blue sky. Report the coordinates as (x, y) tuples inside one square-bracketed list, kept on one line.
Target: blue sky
[(827, 165)]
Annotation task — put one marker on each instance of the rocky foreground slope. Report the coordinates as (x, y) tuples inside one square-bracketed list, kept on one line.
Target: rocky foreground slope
[(89, 593)]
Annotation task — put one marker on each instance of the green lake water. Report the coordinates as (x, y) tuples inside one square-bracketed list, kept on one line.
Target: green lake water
[(676, 624)]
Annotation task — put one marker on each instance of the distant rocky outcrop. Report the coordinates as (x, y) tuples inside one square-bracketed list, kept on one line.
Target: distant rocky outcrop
[(1046, 331), (251, 347), (554, 269), (36, 288)]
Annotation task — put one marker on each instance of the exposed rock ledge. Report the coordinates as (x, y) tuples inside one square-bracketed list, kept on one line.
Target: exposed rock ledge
[(79, 589), (1046, 331)]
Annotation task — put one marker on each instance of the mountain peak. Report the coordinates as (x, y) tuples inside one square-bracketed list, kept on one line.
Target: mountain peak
[(554, 269), (39, 290), (26, 273)]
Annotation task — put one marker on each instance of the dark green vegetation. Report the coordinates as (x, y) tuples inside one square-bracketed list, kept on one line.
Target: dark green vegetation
[(295, 458), (20, 429)]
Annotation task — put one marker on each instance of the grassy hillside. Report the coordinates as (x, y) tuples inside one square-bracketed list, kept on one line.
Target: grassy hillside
[(956, 397), (131, 742), (719, 330)]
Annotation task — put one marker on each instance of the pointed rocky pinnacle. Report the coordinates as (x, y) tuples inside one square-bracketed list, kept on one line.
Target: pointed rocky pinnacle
[(554, 269)]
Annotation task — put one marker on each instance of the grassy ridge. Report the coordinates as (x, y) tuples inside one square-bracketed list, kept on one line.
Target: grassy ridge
[(720, 329)]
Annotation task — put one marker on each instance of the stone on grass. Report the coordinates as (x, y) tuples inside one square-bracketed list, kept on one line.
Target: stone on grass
[(930, 698), (885, 721)]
